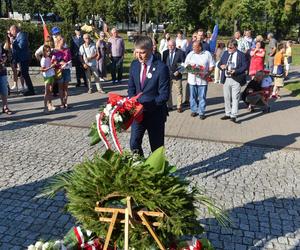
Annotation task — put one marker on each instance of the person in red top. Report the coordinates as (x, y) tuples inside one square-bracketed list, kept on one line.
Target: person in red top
[(257, 58)]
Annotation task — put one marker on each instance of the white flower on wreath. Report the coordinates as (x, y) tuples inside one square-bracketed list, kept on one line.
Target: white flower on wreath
[(107, 109), (39, 245), (105, 129), (31, 247), (118, 118), (46, 246)]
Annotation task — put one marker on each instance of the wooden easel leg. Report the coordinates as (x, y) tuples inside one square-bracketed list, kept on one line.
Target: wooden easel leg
[(144, 219), (126, 231), (110, 230)]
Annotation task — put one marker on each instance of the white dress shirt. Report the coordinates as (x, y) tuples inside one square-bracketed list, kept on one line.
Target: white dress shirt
[(148, 63)]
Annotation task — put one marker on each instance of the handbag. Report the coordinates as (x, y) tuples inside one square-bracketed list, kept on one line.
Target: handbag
[(289, 59)]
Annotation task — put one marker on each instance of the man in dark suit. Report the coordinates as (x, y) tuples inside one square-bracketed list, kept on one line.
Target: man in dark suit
[(233, 64), (76, 42), (150, 77), (20, 53), (173, 58)]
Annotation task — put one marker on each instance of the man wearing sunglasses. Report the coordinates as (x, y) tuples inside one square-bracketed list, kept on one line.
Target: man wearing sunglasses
[(233, 65)]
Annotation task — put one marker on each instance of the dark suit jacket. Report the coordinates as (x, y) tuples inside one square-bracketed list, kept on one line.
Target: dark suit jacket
[(241, 67), (75, 45), (179, 58), (156, 87), (20, 49)]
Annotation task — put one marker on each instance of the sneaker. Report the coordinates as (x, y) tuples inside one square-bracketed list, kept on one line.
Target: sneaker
[(202, 117), (194, 114), (90, 91), (13, 87), (51, 108), (102, 80), (101, 91)]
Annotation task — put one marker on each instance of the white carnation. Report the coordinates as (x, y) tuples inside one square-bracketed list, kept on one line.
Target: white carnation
[(46, 246), (57, 245), (31, 247), (118, 118), (39, 245), (105, 129)]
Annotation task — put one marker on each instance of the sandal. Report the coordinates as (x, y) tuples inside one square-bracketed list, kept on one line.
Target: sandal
[(6, 111)]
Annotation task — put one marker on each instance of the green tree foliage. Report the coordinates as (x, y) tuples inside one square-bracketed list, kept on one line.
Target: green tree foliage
[(278, 16)]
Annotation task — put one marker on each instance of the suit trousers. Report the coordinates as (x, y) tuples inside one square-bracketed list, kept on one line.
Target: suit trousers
[(116, 66), (155, 126), (24, 66), (177, 84), (232, 92), (79, 72)]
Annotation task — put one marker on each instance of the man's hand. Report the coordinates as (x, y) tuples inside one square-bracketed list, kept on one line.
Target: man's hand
[(176, 73), (223, 66)]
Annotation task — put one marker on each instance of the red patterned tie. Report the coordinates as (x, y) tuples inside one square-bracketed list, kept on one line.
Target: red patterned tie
[(144, 75)]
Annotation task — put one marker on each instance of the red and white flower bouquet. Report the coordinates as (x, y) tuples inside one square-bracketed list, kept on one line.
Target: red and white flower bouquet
[(117, 115)]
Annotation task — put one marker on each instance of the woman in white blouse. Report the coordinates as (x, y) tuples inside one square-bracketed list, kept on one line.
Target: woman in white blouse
[(181, 42), (164, 43)]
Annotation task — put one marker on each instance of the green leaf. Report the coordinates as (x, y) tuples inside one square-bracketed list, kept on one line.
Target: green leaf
[(156, 161)]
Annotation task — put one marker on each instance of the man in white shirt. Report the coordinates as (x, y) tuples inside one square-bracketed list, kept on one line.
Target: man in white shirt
[(88, 54), (198, 82)]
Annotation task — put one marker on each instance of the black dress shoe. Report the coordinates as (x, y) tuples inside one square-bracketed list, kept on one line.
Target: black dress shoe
[(28, 93), (170, 109), (233, 119), (202, 117), (225, 117), (194, 114), (78, 85)]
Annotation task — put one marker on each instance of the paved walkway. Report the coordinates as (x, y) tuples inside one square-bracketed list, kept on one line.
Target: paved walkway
[(280, 128), (259, 188)]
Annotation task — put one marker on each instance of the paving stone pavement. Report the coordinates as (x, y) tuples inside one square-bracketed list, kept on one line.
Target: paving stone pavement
[(258, 187)]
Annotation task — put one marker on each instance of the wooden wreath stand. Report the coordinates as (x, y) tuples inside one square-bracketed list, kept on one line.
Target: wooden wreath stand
[(143, 215)]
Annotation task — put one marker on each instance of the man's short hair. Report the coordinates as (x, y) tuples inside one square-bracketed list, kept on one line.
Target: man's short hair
[(232, 42), (197, 42), (172, 41), (143, 42)]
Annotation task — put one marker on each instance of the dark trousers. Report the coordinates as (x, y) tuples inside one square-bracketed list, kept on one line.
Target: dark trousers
[(155, 126), (24, 66), (116, 67), (80, 72)]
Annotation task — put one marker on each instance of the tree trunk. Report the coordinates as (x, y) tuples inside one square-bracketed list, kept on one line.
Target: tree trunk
[(140, 20)]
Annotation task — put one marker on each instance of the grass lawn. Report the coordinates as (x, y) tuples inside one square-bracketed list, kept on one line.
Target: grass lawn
[(296, 54), (294, 87)]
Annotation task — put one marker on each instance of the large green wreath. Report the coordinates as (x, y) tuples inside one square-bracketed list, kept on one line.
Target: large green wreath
[(153, 185)]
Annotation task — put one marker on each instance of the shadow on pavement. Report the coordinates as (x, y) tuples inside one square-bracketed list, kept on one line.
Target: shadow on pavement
[(257, 224), (237, 157), (25, 217)]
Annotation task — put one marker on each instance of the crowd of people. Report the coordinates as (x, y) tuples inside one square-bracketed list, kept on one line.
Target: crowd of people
[(240, 61), (232, 64)]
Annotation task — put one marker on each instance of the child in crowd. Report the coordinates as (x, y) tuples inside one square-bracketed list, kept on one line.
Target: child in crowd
[(288, 57), (278, 70), (48, 73)]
